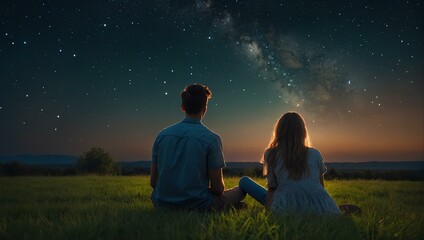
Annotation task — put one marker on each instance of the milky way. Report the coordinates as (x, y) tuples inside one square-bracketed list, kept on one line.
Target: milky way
[(292, 43), (299, 67)]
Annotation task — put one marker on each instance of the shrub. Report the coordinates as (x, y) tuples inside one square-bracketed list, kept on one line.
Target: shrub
[(97, 161)]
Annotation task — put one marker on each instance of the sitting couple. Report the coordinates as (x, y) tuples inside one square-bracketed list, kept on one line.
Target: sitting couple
[(187, 162)]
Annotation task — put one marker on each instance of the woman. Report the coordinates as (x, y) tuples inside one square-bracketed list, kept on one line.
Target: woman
[(294, 172)]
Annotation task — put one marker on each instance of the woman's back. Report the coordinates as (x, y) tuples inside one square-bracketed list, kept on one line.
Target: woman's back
[(294, 172), (303, 195)]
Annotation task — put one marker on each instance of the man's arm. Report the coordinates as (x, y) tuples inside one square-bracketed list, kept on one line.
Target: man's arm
[(153, 175), (217, 181)]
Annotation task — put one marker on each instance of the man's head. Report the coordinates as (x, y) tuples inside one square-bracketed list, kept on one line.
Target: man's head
[(194, 99)]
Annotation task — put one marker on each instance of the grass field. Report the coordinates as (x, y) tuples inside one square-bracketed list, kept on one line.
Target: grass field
[(119, 208)]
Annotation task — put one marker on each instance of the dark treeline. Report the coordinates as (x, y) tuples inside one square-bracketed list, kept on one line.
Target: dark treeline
[(339, 174), (16, 168), (94, 161), (411, 175)]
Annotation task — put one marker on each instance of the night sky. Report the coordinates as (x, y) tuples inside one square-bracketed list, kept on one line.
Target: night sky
[(81, 74)]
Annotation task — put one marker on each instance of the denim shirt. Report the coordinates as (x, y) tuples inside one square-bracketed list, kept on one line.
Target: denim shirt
[(184, 152)]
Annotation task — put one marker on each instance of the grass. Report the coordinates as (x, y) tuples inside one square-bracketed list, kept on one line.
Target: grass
[(119, 208)]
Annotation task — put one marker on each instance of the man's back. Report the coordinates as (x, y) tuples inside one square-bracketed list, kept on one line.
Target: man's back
[(184, 152)]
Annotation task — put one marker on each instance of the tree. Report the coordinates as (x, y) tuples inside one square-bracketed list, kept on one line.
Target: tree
[(97, 161)]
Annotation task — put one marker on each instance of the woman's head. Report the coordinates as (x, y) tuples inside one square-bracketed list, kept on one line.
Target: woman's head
[(290, 143), (290, 129)]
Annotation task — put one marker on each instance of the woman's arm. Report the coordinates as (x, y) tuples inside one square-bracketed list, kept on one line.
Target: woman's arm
[(321, 180), (269, 197)]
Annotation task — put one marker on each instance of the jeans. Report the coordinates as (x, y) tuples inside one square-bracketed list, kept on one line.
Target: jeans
[(253, 189)]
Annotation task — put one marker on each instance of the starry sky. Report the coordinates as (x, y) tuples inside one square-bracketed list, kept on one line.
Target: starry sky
[(81, 74)]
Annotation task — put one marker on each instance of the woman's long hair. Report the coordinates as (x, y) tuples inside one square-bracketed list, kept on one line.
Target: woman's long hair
[(290, 144)]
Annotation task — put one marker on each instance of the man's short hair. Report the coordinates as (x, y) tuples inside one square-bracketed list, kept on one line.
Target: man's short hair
[(195, 97)]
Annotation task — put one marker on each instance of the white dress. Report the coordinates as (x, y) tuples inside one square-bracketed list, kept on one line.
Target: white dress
[(306, 195)]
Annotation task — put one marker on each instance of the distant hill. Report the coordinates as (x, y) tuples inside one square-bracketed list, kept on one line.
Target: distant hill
[(69, 160)]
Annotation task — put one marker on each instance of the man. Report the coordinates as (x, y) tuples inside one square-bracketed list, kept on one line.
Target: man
[(187, 161)]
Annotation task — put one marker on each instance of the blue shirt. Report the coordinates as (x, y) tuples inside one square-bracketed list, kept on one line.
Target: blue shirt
[(184, 152)]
